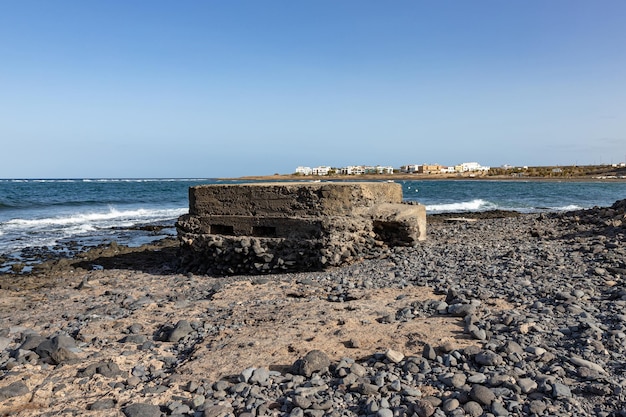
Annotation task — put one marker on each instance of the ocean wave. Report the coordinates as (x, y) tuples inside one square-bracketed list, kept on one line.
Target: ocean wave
[(569, 207), (473, 205), (99, 218), (22, 233), (113, 180), (142, 180)]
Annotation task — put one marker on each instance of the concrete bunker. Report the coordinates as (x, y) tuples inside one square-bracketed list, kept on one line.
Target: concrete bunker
[(278, 227)]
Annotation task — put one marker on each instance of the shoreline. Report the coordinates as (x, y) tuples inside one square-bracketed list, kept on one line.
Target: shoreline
[(415, 177)]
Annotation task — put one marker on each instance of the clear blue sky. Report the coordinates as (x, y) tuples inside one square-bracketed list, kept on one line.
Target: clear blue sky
[(229, 88)]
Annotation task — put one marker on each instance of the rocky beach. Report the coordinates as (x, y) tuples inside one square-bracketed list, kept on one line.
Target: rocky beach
[(494, 314)]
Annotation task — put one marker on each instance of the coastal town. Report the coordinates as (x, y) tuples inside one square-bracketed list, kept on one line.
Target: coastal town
[(469, 169), (404, 169)]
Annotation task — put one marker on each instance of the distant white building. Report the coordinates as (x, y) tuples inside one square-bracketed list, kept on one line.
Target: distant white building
[(469, 166), (321, 170), (384, 170), (409, 169), (472, 167), (304, 170), (353, 170)]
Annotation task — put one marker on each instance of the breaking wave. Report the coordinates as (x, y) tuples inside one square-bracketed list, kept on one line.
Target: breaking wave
[(473, 205)]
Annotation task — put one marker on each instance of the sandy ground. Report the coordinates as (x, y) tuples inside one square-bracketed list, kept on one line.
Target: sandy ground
[(268, 321)]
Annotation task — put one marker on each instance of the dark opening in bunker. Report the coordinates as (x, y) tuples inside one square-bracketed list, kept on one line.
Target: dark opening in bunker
[(264, 231), (221, 229), (392, 233)]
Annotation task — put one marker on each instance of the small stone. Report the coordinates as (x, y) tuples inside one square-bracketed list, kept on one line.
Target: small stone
[(395, 386), (198, 400), (513, 347), (461, 310), (435, 401), (477, 378), (31, 341), (63, 355), (527, 385), (536, 350), (141, 410), (587, 373), (424, 408), (537, 407), (482, 394), (181, 330), (384, 412), (246, 374), (498, 409), (296, 412), (133, 381), (478, 334), (472, 408), (314, 361), (4, 342), (106, 369), (488, 358), (368, 389), (587, 364), (103, 404), (302, 402), (134, 338), (217, 410), (453, 380), (394, 356), (561, 391), (429, 352), (412, 392), (260, 376), (450, 404), (58, 349), (15, 389), (354, 343)]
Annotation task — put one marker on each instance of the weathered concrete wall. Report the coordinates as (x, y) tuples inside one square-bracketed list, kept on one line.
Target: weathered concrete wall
[(273, 227), (290, 199)]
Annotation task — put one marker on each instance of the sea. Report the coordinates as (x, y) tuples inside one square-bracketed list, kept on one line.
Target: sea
[(48, 218)]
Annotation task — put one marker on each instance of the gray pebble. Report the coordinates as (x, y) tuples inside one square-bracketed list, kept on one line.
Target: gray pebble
[(482, 394), (141, 410), (14, 389)]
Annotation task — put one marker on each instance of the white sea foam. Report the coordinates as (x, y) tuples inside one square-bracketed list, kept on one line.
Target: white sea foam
[(111, 217), (140, 180), (23, 233), (569, 208), (474, 205)]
